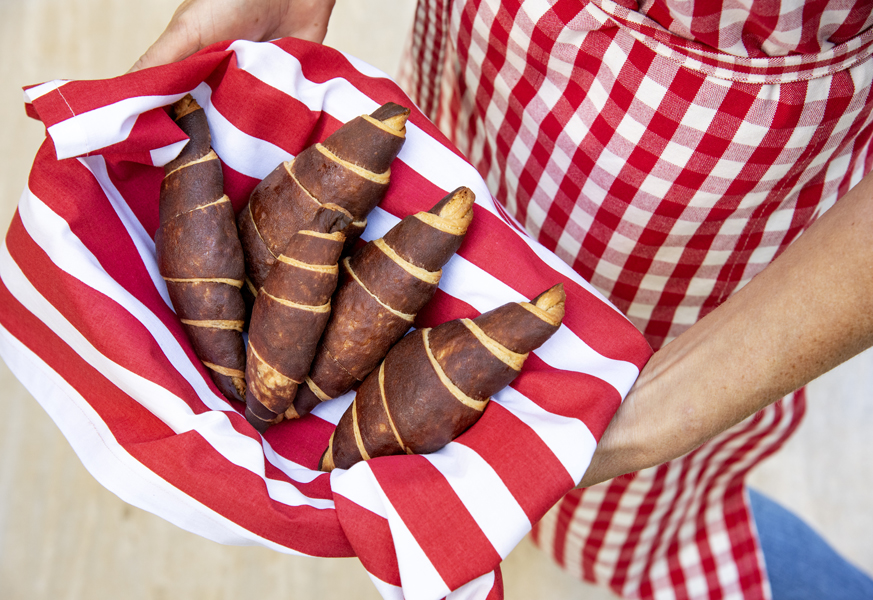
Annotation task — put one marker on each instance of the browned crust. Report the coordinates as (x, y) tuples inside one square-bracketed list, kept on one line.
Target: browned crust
[(329, 375), (280, 207), (364, 334), (426, 246), (467, 363), (202, 243), (383, 287), (519, 329), (390, 282), (186, 189), (435, 383), (343, 451), (366, 145), (290, 313), (258, 258), (199, 253), (324, 178)]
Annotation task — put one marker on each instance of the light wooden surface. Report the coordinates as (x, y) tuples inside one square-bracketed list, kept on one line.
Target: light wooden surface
[(63, 536)]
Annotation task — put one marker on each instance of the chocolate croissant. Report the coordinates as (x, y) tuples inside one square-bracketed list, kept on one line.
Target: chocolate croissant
[(383, 286), (351, 169), (289, 315), (199, 253), (435, 383)]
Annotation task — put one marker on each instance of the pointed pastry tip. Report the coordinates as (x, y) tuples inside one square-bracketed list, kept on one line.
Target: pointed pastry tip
[(392, 115), (459, 202), (185, 106), (552, 302), (458, 207)]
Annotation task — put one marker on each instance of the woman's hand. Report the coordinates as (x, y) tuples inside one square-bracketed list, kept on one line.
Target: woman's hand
[(199, 23), (806, 313)]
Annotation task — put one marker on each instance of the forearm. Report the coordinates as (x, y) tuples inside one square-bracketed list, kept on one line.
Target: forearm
[(807, 312)]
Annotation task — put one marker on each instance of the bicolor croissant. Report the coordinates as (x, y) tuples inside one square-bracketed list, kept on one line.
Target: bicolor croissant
[(383, 286), (351, 169), (289, 315), (435, 383), (199, 253)]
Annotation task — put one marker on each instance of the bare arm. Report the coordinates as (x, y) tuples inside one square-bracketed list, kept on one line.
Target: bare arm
[(199, 23), (806, 313)]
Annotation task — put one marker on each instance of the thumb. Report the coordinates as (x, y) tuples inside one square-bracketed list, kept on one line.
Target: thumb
[(174, 44)]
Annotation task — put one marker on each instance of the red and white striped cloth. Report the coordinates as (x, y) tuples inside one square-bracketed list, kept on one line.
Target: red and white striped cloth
[(667, 171), (86, 325)]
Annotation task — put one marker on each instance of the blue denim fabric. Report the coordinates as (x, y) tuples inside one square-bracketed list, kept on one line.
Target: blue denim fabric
[(801, 565)]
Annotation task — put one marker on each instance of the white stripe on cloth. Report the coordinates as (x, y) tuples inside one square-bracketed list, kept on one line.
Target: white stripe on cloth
[(66, 251), (161, 156), (38, 91), (105, 459)]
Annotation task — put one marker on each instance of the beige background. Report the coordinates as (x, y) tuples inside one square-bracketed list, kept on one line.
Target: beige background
[(64, 536)]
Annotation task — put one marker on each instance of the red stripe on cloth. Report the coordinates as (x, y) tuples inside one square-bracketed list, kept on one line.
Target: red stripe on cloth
[(371, 537), (525, 464), (238, 187), (140, 186), (441, 308), (436, 518), (410, 192), (30, 111), (51, 108), (302, 441)]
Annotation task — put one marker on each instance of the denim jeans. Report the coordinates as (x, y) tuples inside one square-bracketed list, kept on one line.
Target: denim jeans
[(801, 565)]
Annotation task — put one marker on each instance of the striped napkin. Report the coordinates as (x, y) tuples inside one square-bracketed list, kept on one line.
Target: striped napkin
[(87, 326)]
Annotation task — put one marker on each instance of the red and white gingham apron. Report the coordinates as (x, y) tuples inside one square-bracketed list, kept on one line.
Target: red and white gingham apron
[(667, 173)]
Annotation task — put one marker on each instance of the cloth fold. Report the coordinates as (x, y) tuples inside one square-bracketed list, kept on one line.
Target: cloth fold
[(86, 325)]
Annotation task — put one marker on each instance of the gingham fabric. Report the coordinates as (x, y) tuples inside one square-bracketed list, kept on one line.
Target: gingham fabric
[(86, 325), (668, 174)]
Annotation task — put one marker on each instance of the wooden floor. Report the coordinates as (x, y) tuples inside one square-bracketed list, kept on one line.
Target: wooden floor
[(63, 536)]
